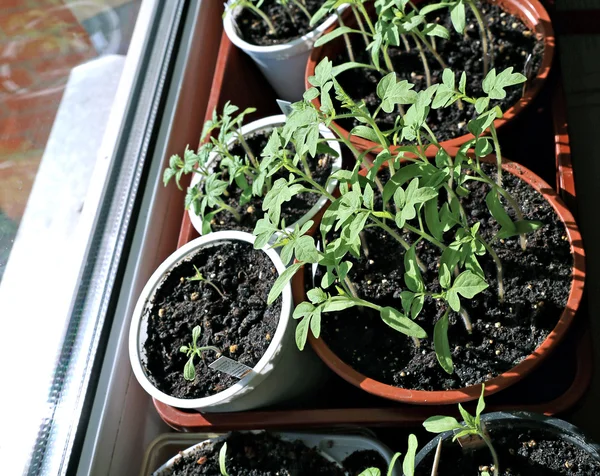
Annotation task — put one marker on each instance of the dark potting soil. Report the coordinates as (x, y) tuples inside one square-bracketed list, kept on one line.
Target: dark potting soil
[(358, 461), (512, 44), (259, 454), (289, 23), (241, 324), (521, 452), (537, 283), (252, 211)]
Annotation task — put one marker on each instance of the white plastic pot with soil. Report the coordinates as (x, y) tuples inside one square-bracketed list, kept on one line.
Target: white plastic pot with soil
[(265, 125), (218, 284), (283, 64), (305, 453)]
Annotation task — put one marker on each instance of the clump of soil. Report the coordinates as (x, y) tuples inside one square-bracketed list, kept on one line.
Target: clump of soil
[(259, 454), (537, 283), (521, 452), (252, 211), (289, 23), (358, 461), (241, 325), (512, 43)]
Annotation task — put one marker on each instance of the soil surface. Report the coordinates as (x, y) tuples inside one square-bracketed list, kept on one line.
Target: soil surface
[(521, 452), (252, 211), (537, 283), (259, 454), (513, 42), (241, 324), (358, 461), (289, 23)]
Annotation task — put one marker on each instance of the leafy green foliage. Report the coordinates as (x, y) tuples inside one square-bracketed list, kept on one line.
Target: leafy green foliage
[(223, 460), (420, 202), (192, 350), (408, 464)]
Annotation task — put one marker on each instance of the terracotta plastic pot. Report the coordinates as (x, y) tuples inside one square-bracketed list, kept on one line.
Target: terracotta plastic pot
[(267, 123), (283, 65), (521, 421), (530, 12), (272, 379), (502, 381)]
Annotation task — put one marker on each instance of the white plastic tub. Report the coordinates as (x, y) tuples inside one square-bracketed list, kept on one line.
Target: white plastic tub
[(332, 446), (282, 65), (273, 379), (268, 123)]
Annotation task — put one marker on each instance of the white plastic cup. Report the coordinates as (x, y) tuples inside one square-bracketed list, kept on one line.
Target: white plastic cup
[(282, 373), (282, 65), (268, 123)]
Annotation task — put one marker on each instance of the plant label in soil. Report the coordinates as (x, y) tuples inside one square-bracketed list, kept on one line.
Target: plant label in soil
[(285, 106), (230, 367), (471, 442)]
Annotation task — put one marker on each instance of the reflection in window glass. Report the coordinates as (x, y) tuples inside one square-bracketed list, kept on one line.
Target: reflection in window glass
[(60, 66)]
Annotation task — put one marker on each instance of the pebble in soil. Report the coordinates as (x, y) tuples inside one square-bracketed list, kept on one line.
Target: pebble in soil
[(512, 42), (290, 23), (521, 452), (241, 325), (261, 454), (537, 283), (252, 211)]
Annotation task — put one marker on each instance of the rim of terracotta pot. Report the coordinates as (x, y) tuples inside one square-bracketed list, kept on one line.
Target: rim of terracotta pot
[(530, 12), (504, 380)]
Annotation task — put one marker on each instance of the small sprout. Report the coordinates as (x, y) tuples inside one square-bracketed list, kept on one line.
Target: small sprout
[(471, 426), (199, 277), (223, 460), (191, 351), (161, 312)]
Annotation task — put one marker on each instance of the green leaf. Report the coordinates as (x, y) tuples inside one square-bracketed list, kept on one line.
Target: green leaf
[(527, 226), (189, 371), (480, 406), (468, 284), (322, 73), (433, 29), (392, 92), (316, 295), (365, 132), (407, 298), (368, 197), (498, 211), (408, 465), (282, 281), (453, 300), (302, 332), (222, 460), (441, 424), (481, 104), (441, 345), (338, 303), (494, 84), (467, 417), (478, 125), (458, 17), (315, 323), (445, 277), (306, 250), (333, 35), (303, 309), (401, 323), (462, 84), (483, 147), (417, 306), (412, 274), (340, 68), (196, 331), (432, 218), (263, 231)]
